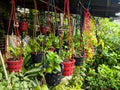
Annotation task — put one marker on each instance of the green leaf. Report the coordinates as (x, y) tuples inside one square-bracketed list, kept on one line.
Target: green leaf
[(1, 77), (44, 87), (58, 68), (38, 88)]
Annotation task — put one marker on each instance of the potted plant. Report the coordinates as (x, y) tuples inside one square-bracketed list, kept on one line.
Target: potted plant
[(79, 54), (43, 23), (50, 42), (24, 25), (90, 42), (68, 61), (53, 69), (57, 44), (14, 60), (36, 46)]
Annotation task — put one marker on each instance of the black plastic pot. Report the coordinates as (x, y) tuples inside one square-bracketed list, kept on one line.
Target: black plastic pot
[(37, 57), (53, 79), (79, 61)]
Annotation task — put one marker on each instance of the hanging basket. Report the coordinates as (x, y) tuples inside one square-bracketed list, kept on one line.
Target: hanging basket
[(24, 26), (43, 30), (14, 66), (53, 79), (79, 60), (68, 68), (37, 57)]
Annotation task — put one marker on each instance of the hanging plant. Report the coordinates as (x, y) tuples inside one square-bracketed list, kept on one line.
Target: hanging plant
[(13, 50)]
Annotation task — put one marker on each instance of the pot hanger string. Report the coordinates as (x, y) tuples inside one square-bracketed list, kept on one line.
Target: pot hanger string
[(67, 12), (35, 18), (15, 27), (51, 6)]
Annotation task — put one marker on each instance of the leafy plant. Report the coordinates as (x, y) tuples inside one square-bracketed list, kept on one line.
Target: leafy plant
[(36, 44), (14, 52), (43, 19), (66, 55), (17, 81), (53, 62), (106, 78)]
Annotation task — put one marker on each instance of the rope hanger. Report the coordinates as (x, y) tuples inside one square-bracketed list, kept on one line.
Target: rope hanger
[(51, 2), (88, 7), (67, 12), (15, 27)]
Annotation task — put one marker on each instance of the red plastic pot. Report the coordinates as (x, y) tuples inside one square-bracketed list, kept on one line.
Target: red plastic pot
[(14, 66), (23, 26), (68, 68), (43, 30)]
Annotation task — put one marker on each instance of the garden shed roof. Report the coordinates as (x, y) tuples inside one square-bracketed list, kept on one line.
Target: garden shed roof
[(102, 8)]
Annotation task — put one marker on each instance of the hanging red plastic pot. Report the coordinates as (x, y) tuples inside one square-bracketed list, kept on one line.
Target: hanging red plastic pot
[(24, 26), (14, 66), (68, 68), (43, 30)]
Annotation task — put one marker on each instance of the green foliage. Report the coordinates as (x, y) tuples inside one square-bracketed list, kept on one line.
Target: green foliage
[(15, 52), (77, 79), (74, 83), (17, 81), (36, 44), (77, 41), (105, 78), (49, 40), (53, 61), (102, 72), (66, 55)]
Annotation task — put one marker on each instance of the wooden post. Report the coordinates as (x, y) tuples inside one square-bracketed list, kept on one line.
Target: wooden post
[(2, 60)]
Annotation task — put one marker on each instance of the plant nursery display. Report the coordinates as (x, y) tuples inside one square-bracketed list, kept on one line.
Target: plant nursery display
[(47, 48)]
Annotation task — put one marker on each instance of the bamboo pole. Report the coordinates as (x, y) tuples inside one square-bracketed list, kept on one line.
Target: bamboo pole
[(2, 60)]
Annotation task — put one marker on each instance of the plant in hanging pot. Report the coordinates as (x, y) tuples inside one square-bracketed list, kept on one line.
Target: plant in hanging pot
[(90, 42), (43, 23), (79, 54), (24, 25), (15, 59), (57, 44), (37, 52), (53, 69), (68, 61), (50, 42)]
